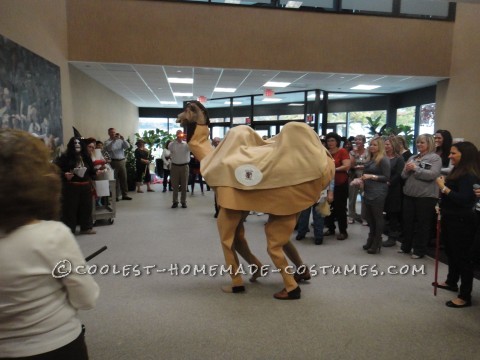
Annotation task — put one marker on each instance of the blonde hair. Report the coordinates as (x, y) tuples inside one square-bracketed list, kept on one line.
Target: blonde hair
[(429, 140), (395, 145), (381, 150)]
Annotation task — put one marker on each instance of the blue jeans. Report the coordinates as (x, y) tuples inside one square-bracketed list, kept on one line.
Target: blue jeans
[(303, 222)]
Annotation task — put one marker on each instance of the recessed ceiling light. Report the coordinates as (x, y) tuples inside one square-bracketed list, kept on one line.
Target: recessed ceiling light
[(234, 103), (227, 90), (180, 80), (365, 87), (295, 104), (276, 84), (293, 4), (182, 94), (271, 99), (168, 102), (232, 1)]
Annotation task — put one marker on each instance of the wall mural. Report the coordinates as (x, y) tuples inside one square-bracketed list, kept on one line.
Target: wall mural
[(30, 97)]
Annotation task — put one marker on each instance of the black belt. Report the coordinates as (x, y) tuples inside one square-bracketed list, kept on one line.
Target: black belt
[(180, 164), (118, 159)]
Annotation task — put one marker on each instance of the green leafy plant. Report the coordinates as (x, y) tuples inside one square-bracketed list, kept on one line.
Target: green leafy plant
[(154, 139), (374, 124), (405, 130)]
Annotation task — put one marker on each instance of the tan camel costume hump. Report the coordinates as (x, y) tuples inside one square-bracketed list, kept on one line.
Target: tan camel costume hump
[(281, 176)]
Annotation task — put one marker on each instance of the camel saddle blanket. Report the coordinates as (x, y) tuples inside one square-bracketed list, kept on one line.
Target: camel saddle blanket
[(244, 161)]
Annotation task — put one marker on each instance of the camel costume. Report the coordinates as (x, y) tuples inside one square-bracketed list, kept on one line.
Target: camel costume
[(280, 176)]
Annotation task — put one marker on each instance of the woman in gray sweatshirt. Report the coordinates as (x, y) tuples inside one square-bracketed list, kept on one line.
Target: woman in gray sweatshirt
[(420, 196)]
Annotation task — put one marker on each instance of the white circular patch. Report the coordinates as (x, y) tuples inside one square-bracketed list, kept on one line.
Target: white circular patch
[(248, 175)]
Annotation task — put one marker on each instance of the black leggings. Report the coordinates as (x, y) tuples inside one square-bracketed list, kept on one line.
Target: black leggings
[(76, 350), (339, 209)]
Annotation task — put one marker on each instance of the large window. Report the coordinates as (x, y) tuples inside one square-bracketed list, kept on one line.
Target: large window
[(406, 116), (340, 117), (427, 119), (366, 123)]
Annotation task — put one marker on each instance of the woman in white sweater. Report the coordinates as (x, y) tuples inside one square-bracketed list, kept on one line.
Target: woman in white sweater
[(38, 302)]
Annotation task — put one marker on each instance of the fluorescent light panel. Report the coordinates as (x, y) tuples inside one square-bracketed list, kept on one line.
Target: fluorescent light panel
[(293, 4), (234, 103), (168, 102), (295, 104), (227, 90), (276, 84), (180, 80), (365, 87), (182, 94), (271, 99)]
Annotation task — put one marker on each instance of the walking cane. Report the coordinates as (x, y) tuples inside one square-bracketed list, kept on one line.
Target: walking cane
[(437, 253)]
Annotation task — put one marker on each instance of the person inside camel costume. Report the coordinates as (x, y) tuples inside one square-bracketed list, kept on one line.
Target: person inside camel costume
[(280, 176)]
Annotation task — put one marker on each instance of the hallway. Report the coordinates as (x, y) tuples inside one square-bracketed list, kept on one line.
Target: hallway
[(165, 316)]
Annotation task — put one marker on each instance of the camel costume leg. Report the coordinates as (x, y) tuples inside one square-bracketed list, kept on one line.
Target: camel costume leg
[(278, 230), (228, 222), (241, 246)]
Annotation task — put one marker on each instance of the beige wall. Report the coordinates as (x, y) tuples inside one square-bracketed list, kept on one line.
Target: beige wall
[(458, 99), (41, 27), (97, 108), (157, 32)]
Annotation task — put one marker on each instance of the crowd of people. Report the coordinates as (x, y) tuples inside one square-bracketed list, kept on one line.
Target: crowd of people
[(401, 195)]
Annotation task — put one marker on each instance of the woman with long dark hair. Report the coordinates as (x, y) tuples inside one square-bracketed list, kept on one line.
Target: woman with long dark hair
[(77, 173), (458, 220), (443, 143)]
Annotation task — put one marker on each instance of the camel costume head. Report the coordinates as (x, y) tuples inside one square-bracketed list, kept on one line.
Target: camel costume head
[(280, 176)]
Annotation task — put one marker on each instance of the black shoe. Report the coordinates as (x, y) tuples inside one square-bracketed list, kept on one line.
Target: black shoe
[(300, 237), (164, 190), (390, 242), (318, 241), (184, 205), (126, 197), (174, 205), (446, 287), (374, 250), (117, 199), (288, 295), (453, 305), (342, 236), (329, 232)]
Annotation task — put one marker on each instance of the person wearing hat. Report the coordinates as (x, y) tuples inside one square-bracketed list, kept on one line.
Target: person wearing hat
[(142, 162)]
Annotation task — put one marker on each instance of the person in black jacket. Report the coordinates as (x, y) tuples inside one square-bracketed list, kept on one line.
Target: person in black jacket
[(77, 173), (142, 164), (458, 223)]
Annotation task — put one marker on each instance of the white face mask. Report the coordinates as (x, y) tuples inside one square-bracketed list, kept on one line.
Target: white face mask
[(77, 145)]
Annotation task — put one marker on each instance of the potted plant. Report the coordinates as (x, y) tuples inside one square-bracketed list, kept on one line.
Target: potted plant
[(153, 139), (404, 130)]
